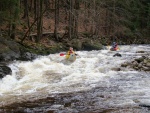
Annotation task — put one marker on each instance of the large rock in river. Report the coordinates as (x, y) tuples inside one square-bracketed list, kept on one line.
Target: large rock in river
[(4, 70), (91, 45), (9, 50)]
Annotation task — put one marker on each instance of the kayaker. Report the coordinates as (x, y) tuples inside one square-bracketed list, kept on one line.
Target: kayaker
[(114, 46), (70, 51)]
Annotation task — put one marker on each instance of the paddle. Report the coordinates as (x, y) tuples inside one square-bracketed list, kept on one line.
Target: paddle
[(62, 54)]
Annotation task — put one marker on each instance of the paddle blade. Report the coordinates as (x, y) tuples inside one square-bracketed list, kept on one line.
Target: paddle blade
[(62, 54)]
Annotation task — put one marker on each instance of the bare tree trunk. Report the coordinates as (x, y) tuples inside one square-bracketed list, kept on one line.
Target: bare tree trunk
[(113, 17), (66, 10), (86, 16), (0, 33), (97, 22), (56, 19), (30, 7), (76, 18), (47, 4), (25, 2), (70, 19), (26, 12), (35, 9), (109, 23), (14, 15), (31, 27), (13, 33), (39, 21), (106, 22), (52, 3), (94, 17)]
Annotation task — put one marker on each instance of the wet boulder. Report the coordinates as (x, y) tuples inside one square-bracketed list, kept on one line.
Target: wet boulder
[(139, 64), (117, 55), (77, 44), (141, 59), (27, 56), (116, 69), (91, 45), (4, 70), (9, 50)]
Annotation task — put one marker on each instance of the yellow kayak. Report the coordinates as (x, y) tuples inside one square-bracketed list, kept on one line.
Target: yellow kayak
[(71, 57)]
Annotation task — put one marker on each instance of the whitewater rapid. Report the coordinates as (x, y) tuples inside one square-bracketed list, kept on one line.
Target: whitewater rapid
[(52, 74)]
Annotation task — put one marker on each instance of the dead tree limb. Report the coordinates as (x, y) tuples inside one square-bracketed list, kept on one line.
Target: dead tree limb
[(31, 27)]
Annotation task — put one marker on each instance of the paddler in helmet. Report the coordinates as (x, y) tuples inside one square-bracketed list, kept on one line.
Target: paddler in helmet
[(114, 47), (69, 52)]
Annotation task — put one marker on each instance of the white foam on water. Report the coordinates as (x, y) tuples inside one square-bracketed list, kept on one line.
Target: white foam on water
[(52, 74)]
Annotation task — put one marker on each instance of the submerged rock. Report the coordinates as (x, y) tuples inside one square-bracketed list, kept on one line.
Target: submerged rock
[(117, 54), (116, 69)]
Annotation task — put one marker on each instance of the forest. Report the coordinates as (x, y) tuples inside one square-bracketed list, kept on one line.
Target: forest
[(126, 21), (74, 56)]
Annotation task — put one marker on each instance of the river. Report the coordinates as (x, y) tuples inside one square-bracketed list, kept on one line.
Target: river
[(50, 84)]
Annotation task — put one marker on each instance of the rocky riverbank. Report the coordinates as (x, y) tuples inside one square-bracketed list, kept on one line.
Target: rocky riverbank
[(10, 51)]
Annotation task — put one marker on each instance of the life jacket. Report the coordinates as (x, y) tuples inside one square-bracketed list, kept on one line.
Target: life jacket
[(116, 48), (68, 53)]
